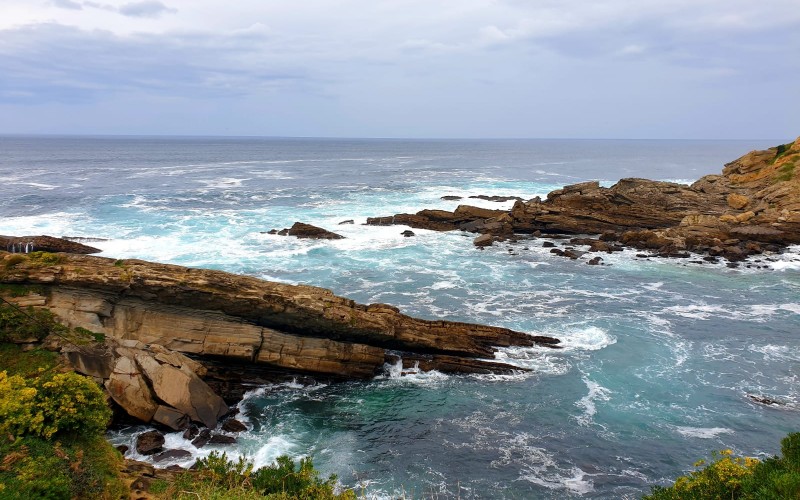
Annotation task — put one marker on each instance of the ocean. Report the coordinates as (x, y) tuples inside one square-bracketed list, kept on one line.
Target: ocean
[(660, 354)]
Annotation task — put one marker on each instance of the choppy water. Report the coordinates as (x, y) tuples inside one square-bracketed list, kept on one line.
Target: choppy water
[(659, 356)]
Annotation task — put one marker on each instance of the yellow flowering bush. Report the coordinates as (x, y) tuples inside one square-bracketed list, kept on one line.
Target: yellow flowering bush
[(740, 478), (65, 403), (18, 412)]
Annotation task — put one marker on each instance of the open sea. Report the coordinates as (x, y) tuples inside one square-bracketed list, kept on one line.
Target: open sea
[(659, 354)]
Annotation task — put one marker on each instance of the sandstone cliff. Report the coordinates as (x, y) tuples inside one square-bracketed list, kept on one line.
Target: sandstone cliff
[(213, 313)]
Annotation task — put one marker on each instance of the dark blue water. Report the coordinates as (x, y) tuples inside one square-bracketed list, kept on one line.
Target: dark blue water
[(659, 357)]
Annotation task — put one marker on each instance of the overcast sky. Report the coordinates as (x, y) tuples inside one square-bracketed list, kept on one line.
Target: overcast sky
[(403, 68)]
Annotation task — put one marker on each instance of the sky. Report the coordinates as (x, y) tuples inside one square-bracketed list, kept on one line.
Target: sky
[(671, 69)]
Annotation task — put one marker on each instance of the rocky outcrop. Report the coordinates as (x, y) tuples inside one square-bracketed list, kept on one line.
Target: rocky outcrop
[(212, 313), (303, 230), (464, 217), (27, 244), (754, 205), (151, 383)]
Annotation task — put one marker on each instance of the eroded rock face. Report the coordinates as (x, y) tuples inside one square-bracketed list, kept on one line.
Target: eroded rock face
[(212, 313)]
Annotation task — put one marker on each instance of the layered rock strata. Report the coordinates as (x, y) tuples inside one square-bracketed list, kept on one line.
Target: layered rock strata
[(213, 313), (752, 206)]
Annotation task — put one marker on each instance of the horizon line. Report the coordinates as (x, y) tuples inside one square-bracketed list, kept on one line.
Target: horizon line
[(376, 138)]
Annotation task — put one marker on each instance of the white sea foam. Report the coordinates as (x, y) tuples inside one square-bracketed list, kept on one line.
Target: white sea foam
[(702, 432), (775, 353), (590, 338), (596, 393), (223, 182), (43, 187)]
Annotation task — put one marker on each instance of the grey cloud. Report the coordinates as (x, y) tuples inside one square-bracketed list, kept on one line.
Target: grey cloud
[(146, 8), (51, 62)]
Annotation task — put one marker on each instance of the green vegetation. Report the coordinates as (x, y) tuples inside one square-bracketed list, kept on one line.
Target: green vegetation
[(780, 152), (13, 260), (221, 479), (85, 466), (18, 324), (43, 259), (738, 478), (786, 172), (51, 431)]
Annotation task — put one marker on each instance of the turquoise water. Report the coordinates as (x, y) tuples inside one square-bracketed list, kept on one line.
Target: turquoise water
[(660, 354)]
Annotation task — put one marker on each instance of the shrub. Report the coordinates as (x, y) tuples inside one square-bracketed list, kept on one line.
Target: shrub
[(42, 259), (739, 478), (65, 403), (17, 324), (220, 478), (35, 468)]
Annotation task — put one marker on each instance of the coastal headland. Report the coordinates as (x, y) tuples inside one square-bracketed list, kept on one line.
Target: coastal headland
[(753, 206)]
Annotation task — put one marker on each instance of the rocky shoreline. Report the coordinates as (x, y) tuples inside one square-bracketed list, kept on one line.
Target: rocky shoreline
[(752, 207)]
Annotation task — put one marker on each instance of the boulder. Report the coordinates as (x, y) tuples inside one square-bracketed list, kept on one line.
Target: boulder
[(183, 390), (94, 360), (484, 240), (150, 443), (221, 439), (172, 455), (737, 201), (451, 198), (348, 221), (202, 439), (233, 425), (172, 418), (302, 230), (408, 233), (129, 389)]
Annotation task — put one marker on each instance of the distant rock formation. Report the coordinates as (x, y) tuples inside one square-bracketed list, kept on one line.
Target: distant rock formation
[(754, 205), (213, 313), (27, 244)]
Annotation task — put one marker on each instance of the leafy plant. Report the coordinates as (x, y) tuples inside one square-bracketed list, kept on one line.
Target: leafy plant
[(740, 478), (219, 478)]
